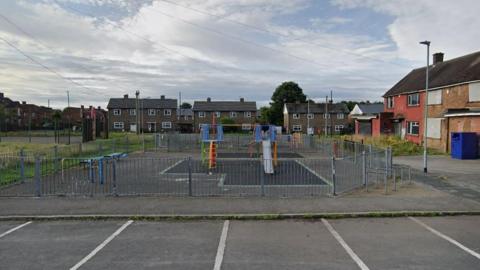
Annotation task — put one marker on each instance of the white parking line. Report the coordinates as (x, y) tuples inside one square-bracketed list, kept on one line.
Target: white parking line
[(14, 229), (342, 242), (102, 245), (221, 246), (449, 239)]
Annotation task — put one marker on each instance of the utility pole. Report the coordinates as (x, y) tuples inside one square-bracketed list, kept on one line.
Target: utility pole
[(308, 116), (137, 113), (425, 108), (48, 106), (68, 99), (325, 116), (330, 116), (179, 114)]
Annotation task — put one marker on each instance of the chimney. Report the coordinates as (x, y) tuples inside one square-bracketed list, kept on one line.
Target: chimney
[(209, 99), (1, 96), (99, 108), (82, 107), (242, 100), (125, 96), (24, 103), (437, 58), (162, 97)]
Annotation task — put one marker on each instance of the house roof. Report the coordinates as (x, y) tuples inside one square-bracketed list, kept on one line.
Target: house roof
[(150, 103), (458, 70), (374, 108), (185, 112), (316, 108), (222, 106)]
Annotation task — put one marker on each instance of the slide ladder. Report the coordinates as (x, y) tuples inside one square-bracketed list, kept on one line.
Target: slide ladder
[(267, 156), (212, 157)]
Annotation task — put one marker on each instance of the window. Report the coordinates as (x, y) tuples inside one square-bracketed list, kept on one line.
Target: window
[(413, 128), (247, 114), (233, 114), (201, 114), (246, 126), (167, 112), (413, 99), (118, 125), (218, 114), (296, 116), (338, 128), (390, 102), (151, 112), (117, 112), (435, 97), (297, 127), (326, 116), (133, 112), (340, 116), (474, 92), (310, 116), (166, 125)]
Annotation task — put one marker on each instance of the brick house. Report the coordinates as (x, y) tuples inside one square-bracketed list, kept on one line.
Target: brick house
[(453, 101), (185, 120), (371, 120), (320, 117), (243, 113), (154, 115)]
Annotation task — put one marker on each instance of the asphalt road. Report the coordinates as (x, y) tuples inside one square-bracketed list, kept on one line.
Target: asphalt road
[(397, 243)]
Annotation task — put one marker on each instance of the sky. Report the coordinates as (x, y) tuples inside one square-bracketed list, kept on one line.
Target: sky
[(223, 49)]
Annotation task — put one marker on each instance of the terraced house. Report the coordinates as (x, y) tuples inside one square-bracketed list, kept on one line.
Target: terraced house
[(149, 114), (243, 113), (453, 101), (321, 118)]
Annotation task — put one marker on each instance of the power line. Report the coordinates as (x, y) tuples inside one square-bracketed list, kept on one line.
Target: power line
[(279, 34), (44, 45), (44, 66)]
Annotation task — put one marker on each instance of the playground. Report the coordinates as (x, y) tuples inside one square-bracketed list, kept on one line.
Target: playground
[(262, 163)]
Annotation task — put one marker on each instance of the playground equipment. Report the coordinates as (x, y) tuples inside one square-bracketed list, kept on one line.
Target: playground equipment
[(269, 141), (211, 136)]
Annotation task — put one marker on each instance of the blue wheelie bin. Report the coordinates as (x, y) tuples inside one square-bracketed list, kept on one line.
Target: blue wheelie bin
[(464, 145)]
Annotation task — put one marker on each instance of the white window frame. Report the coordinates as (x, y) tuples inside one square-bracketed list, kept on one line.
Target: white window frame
[(339, 128), (201, 114), (296, 116), (167, 112), (218, 114), (340, 116), (233, 114), (410, 100), (117, 112), (390, 102), (132, 112), (152, 112), (247, 114), (326, 116), (410, 125), (310, 116), (246, 126), (166, 125), (296, 128), (118, 125)]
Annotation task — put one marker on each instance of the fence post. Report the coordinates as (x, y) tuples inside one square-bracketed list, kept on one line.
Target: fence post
[(22, 165), (386, 170), (390, 160), (394, 179), (38, 191), (370, 156), (55, 158), (354, 153), (334, 184), (364, 169), (190, 191), (262, 179), (114, 176)]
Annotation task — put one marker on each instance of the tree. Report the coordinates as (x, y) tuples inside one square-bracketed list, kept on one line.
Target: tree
[(287, 92), (265, 115), (186, 105)]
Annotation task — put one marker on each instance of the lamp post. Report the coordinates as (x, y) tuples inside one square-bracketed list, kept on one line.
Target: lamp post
[(308, 116), (425, 108)]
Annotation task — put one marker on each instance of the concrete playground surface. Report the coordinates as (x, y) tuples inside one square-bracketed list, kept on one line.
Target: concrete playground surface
[(375, 243)]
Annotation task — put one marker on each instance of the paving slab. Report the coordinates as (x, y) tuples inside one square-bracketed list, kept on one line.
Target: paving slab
[(52, 245), (161, 245), (401, 243), (283, 245)]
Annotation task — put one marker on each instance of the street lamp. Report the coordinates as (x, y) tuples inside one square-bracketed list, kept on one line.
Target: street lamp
[(425, 108)]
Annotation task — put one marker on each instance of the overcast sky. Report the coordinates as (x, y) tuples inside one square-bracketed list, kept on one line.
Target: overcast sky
[(224, 49)]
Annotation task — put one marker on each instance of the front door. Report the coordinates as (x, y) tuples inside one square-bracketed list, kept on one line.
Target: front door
[(133, 127), (399, 130), (152, 127)]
